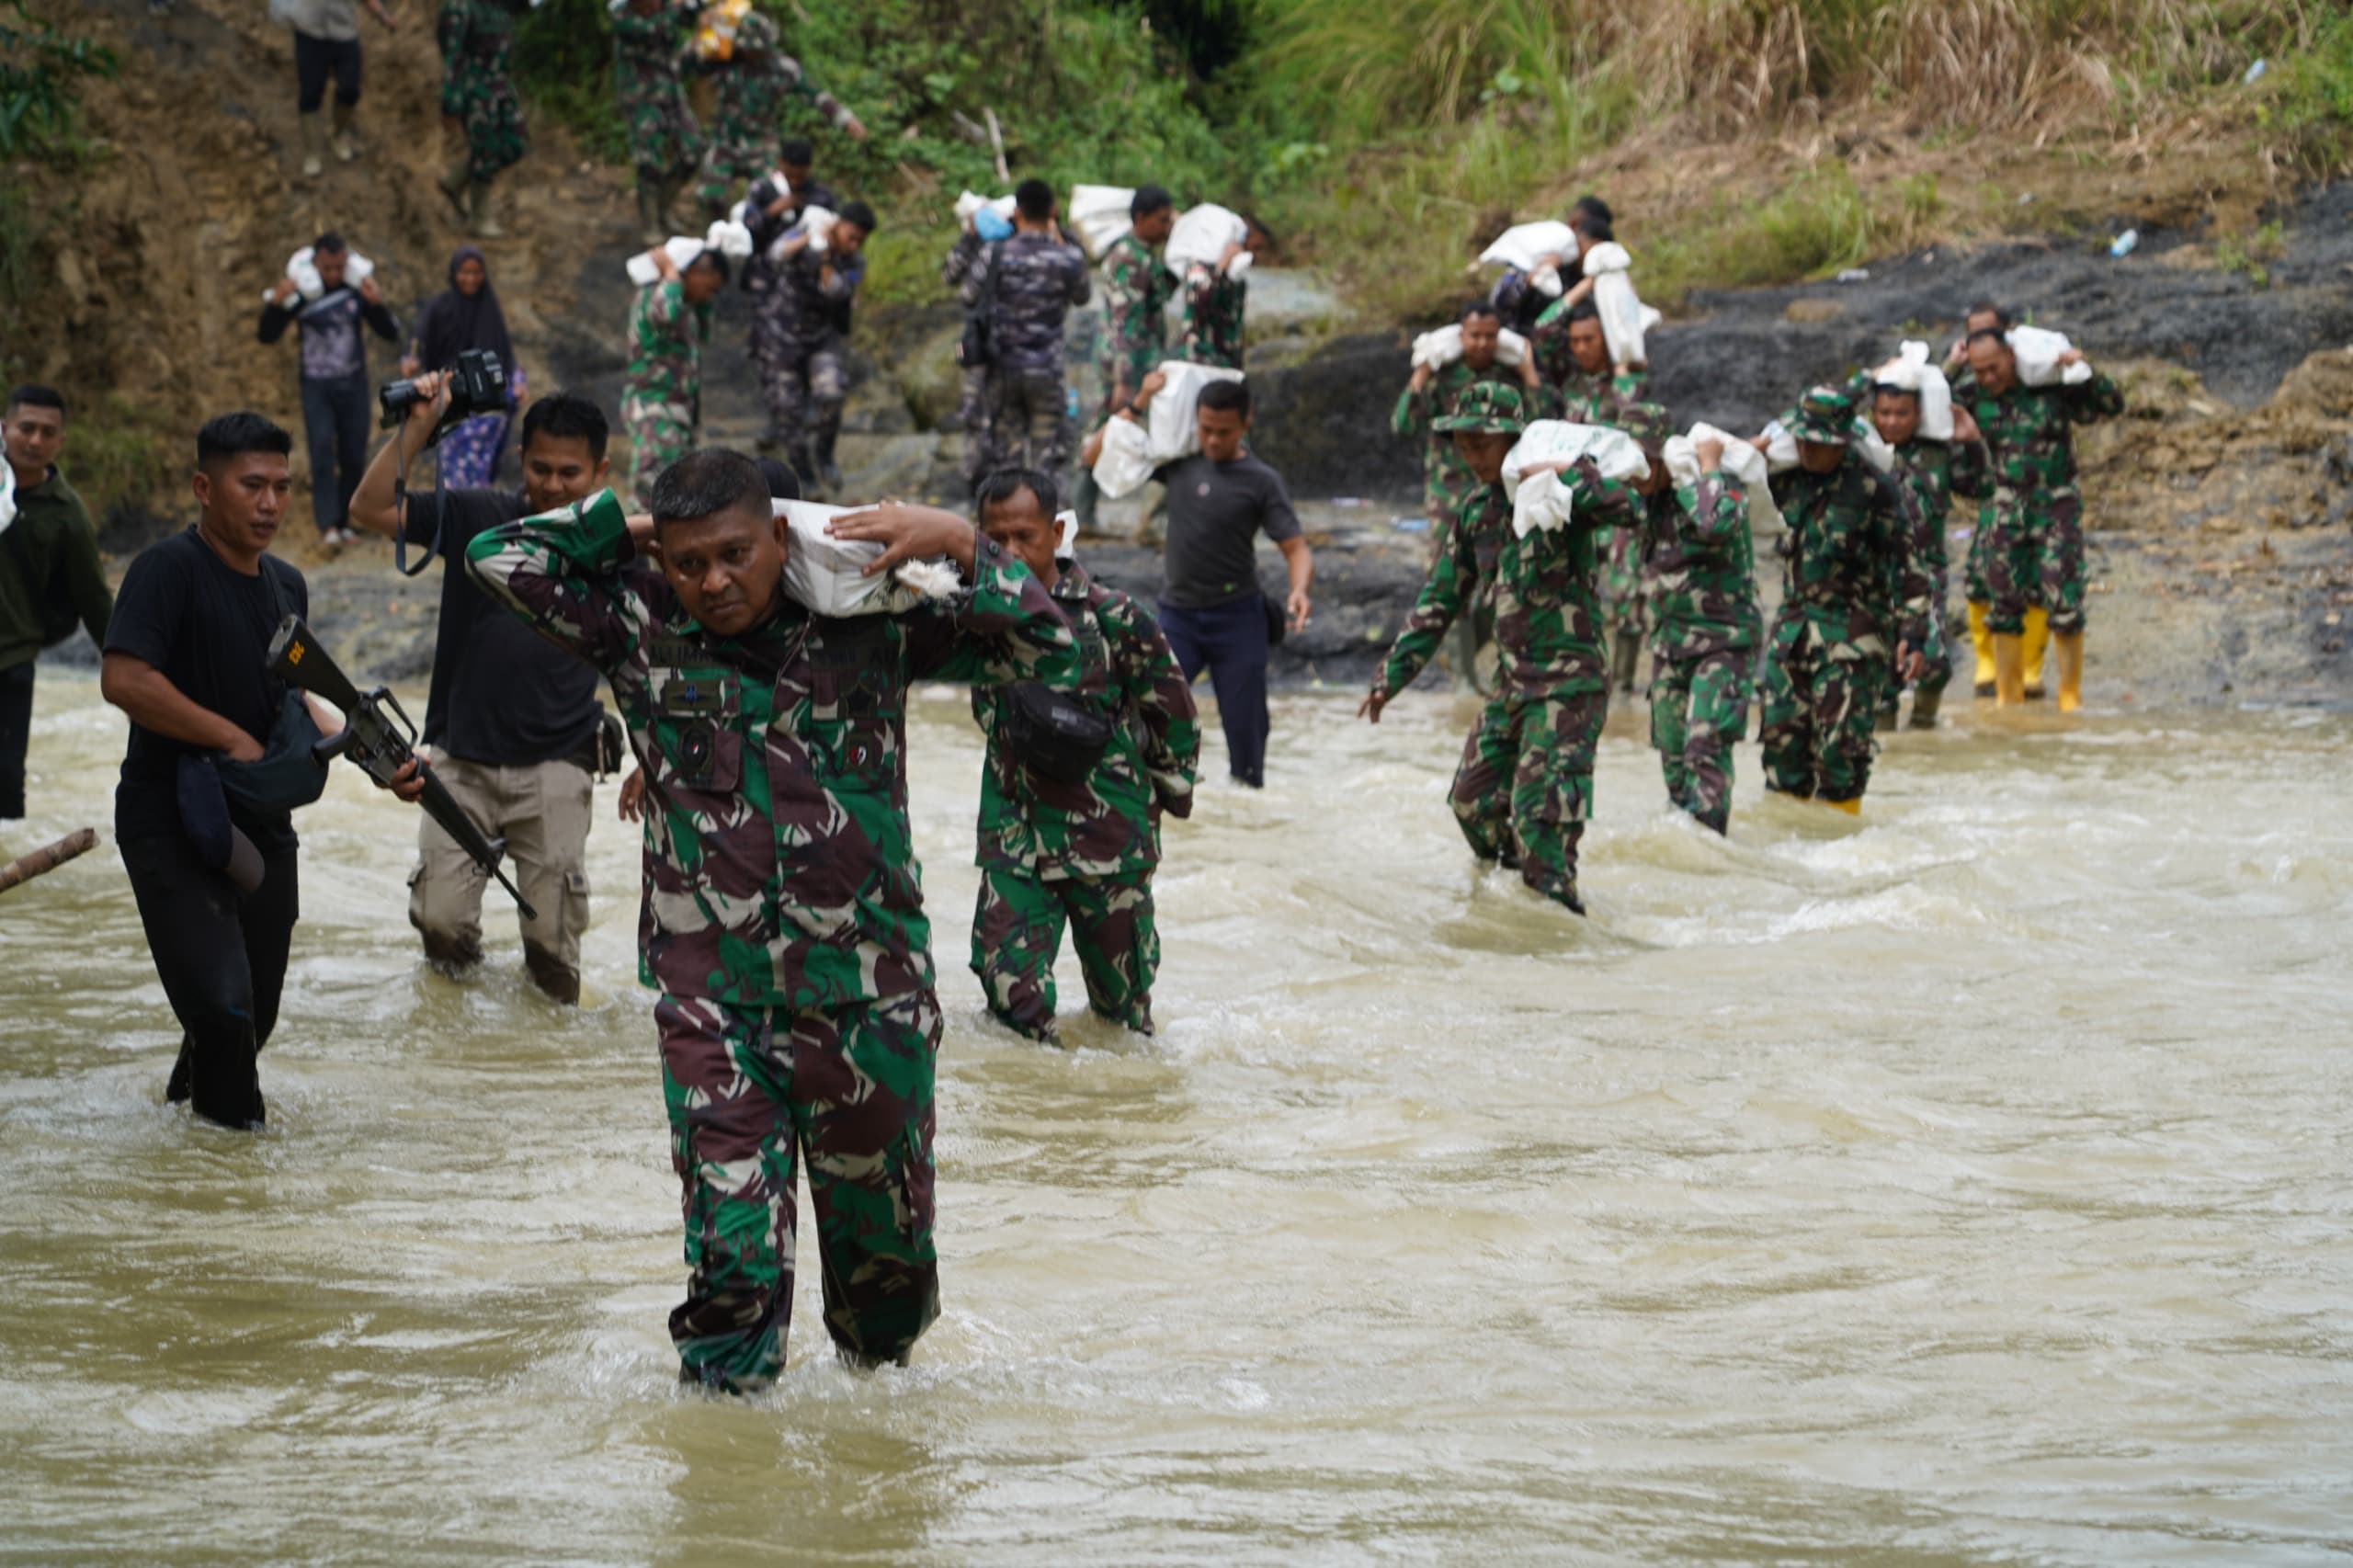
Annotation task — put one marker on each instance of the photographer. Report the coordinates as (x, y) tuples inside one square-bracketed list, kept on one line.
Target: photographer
[(512, 722)]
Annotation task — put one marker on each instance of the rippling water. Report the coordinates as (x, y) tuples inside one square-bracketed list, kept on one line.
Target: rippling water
[(1967, 1186)]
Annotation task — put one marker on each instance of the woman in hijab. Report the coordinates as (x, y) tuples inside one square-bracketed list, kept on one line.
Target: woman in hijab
[(467, 317)]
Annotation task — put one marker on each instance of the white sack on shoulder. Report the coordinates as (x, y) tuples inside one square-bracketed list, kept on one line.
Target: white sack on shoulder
[(1099, 213), (1202, 235), (2038, 350), (1124, 465), (1782, 451), (828, 575), (302, 267), (1744, 462), (1169, 426), (1524, 246), (1624, 317), (1546, 500), (729, 239), (1439, 348), (7, 496), (968, 206), (1911, 370)]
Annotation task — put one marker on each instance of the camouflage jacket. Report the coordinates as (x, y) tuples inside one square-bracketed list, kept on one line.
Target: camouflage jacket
[(1587, 398), (1698, 558), (666, 339), (1136, 290), (649, 55), (780, 868), (1212, 317), (476, 40), (1109, 825), (750, 97), (2027, 452), (1547, 620), (1029, 281), (1446, 478), (1851, 534)]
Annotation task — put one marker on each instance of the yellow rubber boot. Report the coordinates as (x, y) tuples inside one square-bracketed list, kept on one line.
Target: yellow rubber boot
[(1853, 808), (2070, 648), (1982, 640), (2010, 671), (2037, 643)]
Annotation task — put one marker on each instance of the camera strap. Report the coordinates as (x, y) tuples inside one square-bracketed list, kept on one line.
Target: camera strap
[(400, 510)]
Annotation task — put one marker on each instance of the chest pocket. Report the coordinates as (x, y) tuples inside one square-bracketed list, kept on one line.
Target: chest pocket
[(859, 701), (697, 716)]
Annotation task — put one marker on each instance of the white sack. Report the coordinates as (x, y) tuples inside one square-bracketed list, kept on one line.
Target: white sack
[(1170, 425), (729, 239), (1099, 213), (1545, 500), (969, 205), (1741, 460), (2038, 350), (1782, 455), (1437, 349), (1124, 465), (827, 574), (1525, 245), (8, 495), (1911, 370), (1200, 237), (304, 271), (1622, 314), (1066, 545)]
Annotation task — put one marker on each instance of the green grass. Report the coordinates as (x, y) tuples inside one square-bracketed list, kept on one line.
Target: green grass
[(121, 454)]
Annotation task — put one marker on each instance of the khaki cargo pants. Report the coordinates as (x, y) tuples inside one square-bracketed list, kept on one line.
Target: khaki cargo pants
[(543, 812)]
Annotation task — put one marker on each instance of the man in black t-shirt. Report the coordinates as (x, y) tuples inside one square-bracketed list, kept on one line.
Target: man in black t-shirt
[(187, 656), (510, 720)]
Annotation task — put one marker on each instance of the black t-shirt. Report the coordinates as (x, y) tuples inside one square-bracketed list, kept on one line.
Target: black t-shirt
[(1216, 512), (501, 693), (206, 627)]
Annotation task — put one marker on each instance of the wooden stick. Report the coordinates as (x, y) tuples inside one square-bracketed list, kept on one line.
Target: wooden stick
[(996, 141), (25, 868)]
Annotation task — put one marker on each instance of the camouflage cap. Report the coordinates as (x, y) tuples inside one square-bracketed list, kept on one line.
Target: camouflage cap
[(1489, 408), (1825, 416), (756, 33), (1648, 422)]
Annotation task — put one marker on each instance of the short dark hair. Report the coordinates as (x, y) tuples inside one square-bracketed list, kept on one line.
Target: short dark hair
[(857, 212), (710, 256), (1592, 206), (568, 417), (1227, 397), (1994, 332), (797, 152), (1481, 307), (1004, 484), (1593, 226), (1035, 199), (1149, 199), (1585, 310), (1988, 308), (227, 436), (32, 395), (1888, 388), (707, 482), (328, 242), (783, 483)]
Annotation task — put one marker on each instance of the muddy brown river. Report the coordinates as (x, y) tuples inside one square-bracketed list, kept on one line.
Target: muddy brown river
[(1967, 1185)]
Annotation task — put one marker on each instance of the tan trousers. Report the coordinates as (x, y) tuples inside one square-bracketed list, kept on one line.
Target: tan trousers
[(543, 812)]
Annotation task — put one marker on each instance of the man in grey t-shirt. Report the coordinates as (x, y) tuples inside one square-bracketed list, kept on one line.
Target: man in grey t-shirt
[(1210, 605)]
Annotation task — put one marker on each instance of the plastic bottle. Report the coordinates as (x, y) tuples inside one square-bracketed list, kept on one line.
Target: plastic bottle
[(2122, 244)]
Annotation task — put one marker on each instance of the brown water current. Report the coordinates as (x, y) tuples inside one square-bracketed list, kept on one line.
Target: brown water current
[(1967, 1185)]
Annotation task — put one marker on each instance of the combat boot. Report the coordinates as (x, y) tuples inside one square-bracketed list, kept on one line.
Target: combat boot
[(346, 140), (1983, 642), (2069, 646), (452, 184), (2009, 670), (480, 222), (314, 143), (2035, 643), (1925, 703), (651, 227)]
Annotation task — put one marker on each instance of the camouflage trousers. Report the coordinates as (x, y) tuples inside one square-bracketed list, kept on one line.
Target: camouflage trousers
[(664, 142), (2035, 558), (729, 166), (1973, 585), (1699, 711), (751, 1089), (1018, 932), (1524, 786), (1815, 711), (660, 433), (1625, 594), (803, 386), (1938, 675), (1027, 414), (484, 103)]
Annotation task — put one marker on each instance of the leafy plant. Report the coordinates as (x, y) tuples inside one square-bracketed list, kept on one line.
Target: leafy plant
[(40, 71)]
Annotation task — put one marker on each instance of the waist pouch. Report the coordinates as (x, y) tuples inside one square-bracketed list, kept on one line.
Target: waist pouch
[(1053, 734), (219, 843), (606, 748), (287, 776)]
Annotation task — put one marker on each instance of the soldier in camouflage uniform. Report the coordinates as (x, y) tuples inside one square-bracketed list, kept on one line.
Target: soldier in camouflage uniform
[(1215, 301), (1447, 480), (661, 396), (1705, 625), (1573, 355), (1525, 787), (783, 916), (1925, 468), (1850, 529), (1062, 841), (2024, 467), (1027, 286), (1136, 292), (648, 45), (797, 342), (477, 42), (744, 136)]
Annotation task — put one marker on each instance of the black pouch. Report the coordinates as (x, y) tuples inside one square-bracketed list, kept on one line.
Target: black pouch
[(289, 775), (1052, 733), (1278, 622)]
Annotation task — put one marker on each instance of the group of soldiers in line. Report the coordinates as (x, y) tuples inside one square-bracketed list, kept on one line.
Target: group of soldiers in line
[(1865, 572)]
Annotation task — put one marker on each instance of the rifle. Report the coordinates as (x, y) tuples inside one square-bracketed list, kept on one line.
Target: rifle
[(370, 738)]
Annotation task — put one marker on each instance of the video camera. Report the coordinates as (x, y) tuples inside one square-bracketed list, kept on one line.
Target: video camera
[(477, 385)]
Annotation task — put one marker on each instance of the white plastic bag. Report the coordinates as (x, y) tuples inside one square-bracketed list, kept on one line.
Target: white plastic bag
[(302, 267), (1524, 246), (1439, 348), (971, 202), (1743, 461), (1546, 500), (1912, 370), (1066, 543), (2038, 350), (1622, 312), (1099, 213), (1169, 416), (1124, 465), (1200, 237), (729, 239), (829, 575)]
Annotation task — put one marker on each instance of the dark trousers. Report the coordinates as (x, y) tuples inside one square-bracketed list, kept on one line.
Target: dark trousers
[(1230, 640), (15, 730), (222, 957), (335, 416), (314, 59)]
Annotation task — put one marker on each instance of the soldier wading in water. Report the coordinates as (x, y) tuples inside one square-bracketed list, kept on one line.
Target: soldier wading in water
[(783, 915)]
